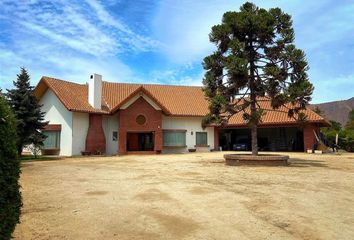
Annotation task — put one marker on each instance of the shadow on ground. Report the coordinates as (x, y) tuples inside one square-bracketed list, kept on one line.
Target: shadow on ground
[(298, 162)]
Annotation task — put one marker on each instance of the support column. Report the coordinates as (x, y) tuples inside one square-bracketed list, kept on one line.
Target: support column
[(309, 136), (122, 141), (158, 140), (216, 138)]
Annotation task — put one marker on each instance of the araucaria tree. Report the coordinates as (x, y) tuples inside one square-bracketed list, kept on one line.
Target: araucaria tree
[(256, 59), (29, 117)]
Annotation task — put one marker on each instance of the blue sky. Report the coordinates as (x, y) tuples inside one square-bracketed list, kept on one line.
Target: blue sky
[(160, 41)]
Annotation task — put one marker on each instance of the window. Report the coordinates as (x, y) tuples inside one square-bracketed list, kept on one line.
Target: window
[(52, 141), (201, 138), (140, 119), (115, 136), (174, 138)]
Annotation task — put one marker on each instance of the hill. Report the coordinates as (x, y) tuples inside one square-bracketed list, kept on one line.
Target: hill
[(336, 110)]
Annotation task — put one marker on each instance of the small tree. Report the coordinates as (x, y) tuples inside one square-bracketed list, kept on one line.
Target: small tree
[(255, 57), (349, 132), (27, 111), (350, 123), (10, 196)]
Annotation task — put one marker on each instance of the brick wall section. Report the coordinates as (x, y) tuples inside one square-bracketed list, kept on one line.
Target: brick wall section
[(95, 139), (216, 138), (309, 136), (127, 122)]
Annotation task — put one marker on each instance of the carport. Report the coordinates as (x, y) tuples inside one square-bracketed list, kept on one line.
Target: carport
[(279, 138)]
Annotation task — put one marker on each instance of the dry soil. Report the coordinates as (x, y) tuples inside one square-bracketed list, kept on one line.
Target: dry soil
[(187, 196)]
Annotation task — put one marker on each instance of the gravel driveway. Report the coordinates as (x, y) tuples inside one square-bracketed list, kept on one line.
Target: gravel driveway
[(187, 196)]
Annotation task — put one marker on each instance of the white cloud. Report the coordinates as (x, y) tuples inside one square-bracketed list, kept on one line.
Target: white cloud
[(86, 28), (137, 42), (66, 40), (183, 27), (59, 65), (177, 76), (98, 46)]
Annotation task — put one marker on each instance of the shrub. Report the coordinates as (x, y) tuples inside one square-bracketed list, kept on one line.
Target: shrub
[(10, 196)]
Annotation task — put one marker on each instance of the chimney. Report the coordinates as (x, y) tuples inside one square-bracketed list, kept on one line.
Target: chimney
[(95, 90)]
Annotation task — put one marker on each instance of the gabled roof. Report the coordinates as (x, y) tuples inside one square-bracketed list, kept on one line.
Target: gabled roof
[(276, 116), (173, 100)]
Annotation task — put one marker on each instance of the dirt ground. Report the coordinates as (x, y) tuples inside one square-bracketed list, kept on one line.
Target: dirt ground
[(187, 196)]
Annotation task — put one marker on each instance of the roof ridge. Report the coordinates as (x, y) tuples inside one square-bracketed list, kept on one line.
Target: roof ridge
[(152, 84), (57, 79), (125, 83)]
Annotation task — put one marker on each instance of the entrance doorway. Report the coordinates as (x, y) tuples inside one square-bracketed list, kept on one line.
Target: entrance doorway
[(140, 141)]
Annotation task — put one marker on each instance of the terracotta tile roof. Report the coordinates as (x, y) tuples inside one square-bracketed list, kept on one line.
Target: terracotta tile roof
[(72, 95), (272, 117), (173, 100)]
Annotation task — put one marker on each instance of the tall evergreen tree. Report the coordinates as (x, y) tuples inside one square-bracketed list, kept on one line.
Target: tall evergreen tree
[(255, 57), (29, 117)]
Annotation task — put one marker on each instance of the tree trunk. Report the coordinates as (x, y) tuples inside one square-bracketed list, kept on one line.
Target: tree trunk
[(254, 126), (253, 98), (254, 140)]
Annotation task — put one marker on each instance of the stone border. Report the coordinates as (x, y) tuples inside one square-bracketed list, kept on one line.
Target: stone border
[(261, 159)]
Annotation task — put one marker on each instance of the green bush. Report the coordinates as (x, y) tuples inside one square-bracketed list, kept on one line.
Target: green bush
[(345, 137), (10, 196)]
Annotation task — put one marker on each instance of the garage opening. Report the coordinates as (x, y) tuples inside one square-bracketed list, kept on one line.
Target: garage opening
[(269, 139), (140, 141)]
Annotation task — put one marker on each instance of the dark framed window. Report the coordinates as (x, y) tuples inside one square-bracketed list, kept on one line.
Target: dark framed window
[(52, 141), (201, 138), (174, 138), (115, 136)]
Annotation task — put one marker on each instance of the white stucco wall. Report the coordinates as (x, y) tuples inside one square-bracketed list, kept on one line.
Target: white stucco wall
[(80, 127), (191, 124), (110, 124), (56, 113)]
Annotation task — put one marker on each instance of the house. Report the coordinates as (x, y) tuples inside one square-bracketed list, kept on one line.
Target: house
[(120, 118)]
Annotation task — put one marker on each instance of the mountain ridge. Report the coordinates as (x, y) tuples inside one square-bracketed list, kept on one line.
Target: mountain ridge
[(336, 110)]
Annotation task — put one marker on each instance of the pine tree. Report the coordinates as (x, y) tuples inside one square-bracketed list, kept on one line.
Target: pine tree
[(30, 119), (255, 57)]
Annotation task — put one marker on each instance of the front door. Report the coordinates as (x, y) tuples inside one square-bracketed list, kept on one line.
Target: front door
[(140, 141)]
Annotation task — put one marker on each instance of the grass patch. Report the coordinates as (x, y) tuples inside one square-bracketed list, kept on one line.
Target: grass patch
[(28, 158)]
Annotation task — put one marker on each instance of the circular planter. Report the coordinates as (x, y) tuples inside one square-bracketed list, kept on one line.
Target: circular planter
[(260, 159)]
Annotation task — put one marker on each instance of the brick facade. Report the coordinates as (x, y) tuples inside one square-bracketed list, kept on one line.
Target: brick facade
[(127, 123), (309, 136), (95, 139)]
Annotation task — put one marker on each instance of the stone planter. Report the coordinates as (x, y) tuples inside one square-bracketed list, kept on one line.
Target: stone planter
[(261, 159), (53, 151)]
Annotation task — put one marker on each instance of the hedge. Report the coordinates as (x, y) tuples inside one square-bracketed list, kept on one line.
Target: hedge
[(10, 196)]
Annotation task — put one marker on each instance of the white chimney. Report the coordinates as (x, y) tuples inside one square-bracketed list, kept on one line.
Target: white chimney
[(95, 90)]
